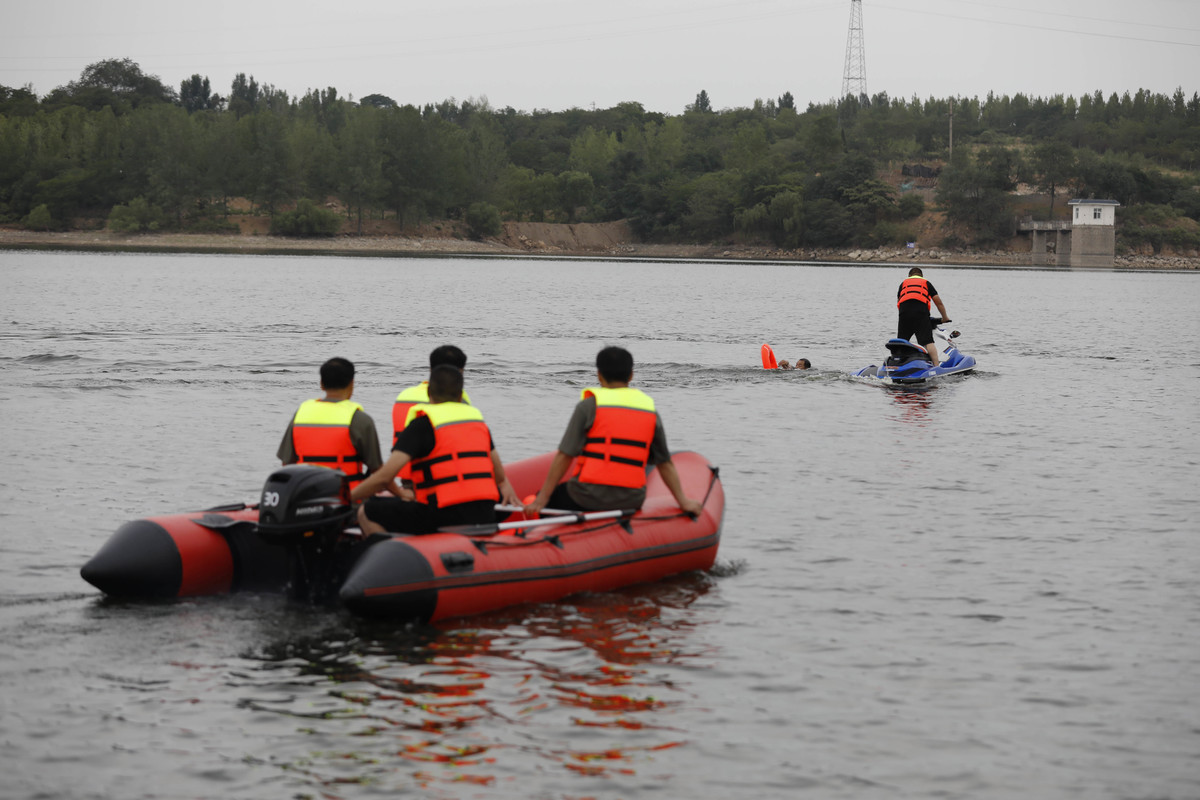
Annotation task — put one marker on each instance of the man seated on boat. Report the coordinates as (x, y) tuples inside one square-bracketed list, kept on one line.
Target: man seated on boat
[(333, 431), (611, 439), (414, 395), (801, 363), (457, 474), (443, 354), (912, 303)]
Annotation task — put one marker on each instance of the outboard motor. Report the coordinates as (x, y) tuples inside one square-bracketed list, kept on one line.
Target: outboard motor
[(306, 508)]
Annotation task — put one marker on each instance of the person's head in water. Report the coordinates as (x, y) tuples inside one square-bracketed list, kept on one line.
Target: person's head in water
[(615, 364), (445, 384), (336, 374), (448, 354)]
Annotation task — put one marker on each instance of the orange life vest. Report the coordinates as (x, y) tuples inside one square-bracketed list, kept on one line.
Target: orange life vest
[(914, 288), (459, 468), (400, 409), (321, 436), (617, 447)]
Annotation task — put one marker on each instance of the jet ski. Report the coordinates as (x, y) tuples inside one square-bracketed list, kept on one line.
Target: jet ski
[(910, 363)]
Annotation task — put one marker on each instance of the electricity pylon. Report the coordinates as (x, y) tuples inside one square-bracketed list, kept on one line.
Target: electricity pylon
[(854, 76)]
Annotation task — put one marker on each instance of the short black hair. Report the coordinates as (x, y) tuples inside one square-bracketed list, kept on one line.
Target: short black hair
[(917, 272), (445, 383), (337, 373), (448, 354), (615, 364), (806, 362)]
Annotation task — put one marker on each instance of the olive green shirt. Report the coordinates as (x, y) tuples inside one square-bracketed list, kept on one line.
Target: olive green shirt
[(599, 496), (362, 434)]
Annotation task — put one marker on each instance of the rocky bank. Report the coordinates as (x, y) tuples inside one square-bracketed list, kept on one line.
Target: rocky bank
[(607, 240)]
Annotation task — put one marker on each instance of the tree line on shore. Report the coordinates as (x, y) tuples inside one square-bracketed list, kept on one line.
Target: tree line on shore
[(118, 144)]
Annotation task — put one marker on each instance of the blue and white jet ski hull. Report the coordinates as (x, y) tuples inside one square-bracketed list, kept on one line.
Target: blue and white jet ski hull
[(909, 363)]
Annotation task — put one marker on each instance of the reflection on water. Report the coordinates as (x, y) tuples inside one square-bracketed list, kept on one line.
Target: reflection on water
[(453, 705), (913, 403)]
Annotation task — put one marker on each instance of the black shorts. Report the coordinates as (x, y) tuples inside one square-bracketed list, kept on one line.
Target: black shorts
[(915, 322), (409, 516), (561, 499)]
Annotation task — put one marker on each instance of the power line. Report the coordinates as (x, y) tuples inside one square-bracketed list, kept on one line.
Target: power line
[(1024, 24)]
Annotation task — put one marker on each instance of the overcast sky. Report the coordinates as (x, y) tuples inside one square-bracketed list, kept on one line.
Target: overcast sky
[(559, 54)]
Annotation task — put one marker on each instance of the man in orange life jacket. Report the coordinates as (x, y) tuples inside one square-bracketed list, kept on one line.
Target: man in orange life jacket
[(613, 437), (333, 431), (912, 302), (445, 354), (457, 474), (414, 395)]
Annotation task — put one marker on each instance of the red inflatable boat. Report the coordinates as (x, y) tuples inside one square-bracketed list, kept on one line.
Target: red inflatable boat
[(306, 550)]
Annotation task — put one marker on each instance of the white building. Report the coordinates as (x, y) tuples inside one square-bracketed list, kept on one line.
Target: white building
[(1093, 233), (1087, 239), (1094, 212)]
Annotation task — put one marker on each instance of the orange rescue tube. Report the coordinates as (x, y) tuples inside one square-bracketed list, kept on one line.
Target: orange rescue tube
[(768, 357)]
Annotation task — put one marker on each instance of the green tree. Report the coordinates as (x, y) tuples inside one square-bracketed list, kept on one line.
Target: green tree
[(830, 224), (361, 185), (378, 101), (593, 151), (971, 192), (138, 216), (711, 205), (576, 190), (1054, 164), (307, 220), (39, 219), (117, 83), (410, 163), (195, 94), (270, 177), (517, 188), (910, 205), (871, 199), (748, 147), (64, 192), (483, 219), (175, 173), (224, 159), (315, 156), (786, 212), (20, 102), (487, 155), (243, 95)]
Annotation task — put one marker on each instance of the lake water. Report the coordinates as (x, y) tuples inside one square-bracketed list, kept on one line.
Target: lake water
[(986, 589)]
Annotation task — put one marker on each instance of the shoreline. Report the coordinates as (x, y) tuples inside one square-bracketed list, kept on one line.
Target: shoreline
[(522, 246)]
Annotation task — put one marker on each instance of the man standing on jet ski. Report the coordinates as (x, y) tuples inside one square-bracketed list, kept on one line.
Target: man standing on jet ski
[(912, 301)]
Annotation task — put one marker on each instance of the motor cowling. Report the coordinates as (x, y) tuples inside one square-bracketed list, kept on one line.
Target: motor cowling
[(300, 502)]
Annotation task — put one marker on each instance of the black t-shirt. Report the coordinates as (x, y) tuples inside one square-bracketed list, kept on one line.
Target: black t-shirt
[(408, 516), (417, 439)]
